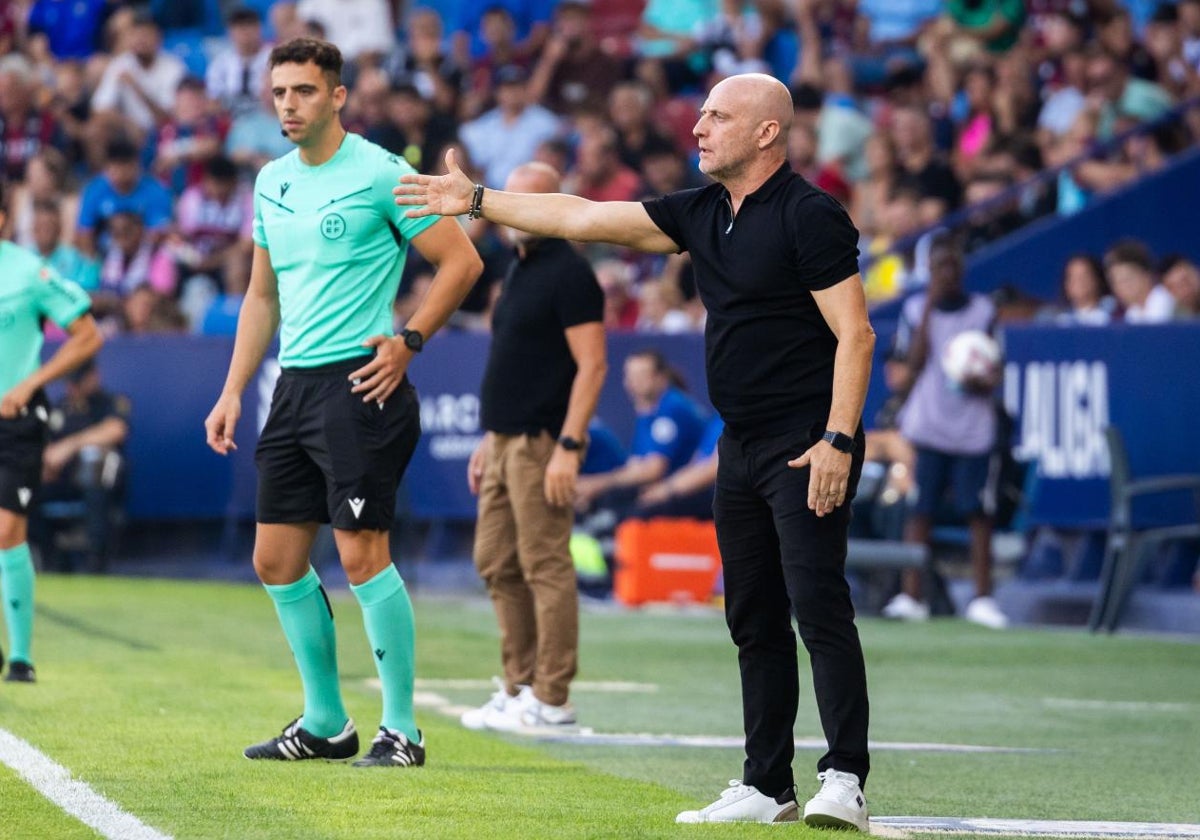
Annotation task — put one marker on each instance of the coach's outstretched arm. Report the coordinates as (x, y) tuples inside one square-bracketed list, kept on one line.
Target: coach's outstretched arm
[(543, 214)]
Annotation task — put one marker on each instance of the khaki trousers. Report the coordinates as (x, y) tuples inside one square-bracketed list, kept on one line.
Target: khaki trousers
[(522, 553)]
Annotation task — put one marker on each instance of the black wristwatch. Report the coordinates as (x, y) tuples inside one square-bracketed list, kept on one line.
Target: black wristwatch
[(839, 441), (570, 444), (413, 340)]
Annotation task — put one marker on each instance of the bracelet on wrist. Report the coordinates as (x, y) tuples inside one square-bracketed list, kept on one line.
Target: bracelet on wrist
[(476, 210)]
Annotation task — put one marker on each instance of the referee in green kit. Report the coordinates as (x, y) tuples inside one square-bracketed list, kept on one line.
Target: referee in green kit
[(330, 246), (30, 293)]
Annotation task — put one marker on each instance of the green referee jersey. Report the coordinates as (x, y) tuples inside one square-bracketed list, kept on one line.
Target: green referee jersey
[(30, 292), (338, 243)]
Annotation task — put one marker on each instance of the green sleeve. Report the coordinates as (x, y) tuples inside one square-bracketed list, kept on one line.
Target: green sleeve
[(60, 300), (387, 176)]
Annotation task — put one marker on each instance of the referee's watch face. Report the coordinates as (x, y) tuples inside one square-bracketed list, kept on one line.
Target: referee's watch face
[(306, 102)]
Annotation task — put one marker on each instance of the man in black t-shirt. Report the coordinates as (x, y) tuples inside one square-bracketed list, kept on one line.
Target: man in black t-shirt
[(543, 378), (84, 463), (788, 353)]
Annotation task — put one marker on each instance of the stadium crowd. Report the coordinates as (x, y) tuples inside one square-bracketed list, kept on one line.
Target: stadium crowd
[(132, 131)]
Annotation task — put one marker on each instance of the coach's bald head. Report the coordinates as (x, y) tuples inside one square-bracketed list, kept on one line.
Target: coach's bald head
[(765, 99), (742, 130)]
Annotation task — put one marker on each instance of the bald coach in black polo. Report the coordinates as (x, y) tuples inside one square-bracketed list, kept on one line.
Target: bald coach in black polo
[(788, 351)]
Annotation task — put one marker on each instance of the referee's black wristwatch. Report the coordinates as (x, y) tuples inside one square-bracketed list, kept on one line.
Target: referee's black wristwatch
[(413, 340), (839, 441)]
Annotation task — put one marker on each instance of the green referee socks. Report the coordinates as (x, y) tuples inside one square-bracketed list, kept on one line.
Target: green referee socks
[(16, 586), (307, 621), (388, 617)]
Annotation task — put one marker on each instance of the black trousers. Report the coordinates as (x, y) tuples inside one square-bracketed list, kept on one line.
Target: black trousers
[(782, 560)]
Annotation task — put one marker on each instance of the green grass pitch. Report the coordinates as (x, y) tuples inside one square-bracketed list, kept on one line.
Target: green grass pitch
[(149, 690)]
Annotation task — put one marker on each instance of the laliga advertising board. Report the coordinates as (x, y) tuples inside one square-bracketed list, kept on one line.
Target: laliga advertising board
[(1063, 386)]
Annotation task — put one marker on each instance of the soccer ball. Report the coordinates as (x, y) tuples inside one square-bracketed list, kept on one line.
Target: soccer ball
[(971, 356)]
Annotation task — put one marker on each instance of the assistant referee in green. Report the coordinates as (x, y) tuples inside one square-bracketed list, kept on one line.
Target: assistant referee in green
[(329, 248), (30, 294)]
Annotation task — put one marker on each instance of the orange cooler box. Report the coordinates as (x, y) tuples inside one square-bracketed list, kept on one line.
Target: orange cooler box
[(665, 560)]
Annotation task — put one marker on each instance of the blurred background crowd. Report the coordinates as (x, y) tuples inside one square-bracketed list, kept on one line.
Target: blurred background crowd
[(132, 131), (131, 134)]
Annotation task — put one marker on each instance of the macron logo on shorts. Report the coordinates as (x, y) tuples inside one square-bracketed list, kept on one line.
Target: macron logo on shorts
[(356, 506), (24, 494)]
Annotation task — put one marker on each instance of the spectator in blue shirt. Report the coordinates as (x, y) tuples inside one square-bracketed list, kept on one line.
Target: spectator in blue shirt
[(688, 491), (72, 27), (532, 19), (668, 429), (121, 188)]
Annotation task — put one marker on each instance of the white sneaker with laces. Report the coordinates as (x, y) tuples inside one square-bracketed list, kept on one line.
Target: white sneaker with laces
[(838, 804), (986, 612), (742, 803), (904, 607), (497, 704)]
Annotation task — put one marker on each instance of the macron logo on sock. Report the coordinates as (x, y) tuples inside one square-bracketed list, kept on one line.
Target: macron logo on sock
[(24, 494), (379, 652), (356, 506)]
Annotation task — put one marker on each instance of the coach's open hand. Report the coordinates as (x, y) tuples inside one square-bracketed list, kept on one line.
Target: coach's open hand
[(441, 195), (378, 378), (828, 477)]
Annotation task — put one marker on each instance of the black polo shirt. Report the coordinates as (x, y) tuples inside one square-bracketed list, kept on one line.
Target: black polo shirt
[(769, 352), (530, 368)]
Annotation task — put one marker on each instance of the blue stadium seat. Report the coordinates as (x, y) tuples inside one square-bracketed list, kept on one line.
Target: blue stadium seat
[(1130, 541)]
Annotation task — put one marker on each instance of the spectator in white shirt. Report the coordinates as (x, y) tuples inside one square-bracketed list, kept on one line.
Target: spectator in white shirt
[(140, 85), (1130, 272), (503, 138), (237, 73)]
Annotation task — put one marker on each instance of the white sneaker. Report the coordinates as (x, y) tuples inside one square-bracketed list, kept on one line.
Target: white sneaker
[(742, 803), (838, 804), (508, 718), (497, 704), (986, 612), (904, 607)]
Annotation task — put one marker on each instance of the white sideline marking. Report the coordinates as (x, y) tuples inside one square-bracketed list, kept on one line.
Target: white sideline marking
[(1076, 704), (1037, 828), (54, 782), (585, 735)]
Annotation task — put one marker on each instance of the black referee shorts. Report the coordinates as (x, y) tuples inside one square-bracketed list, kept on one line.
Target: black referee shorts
[(324, 455), (22, 442)]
